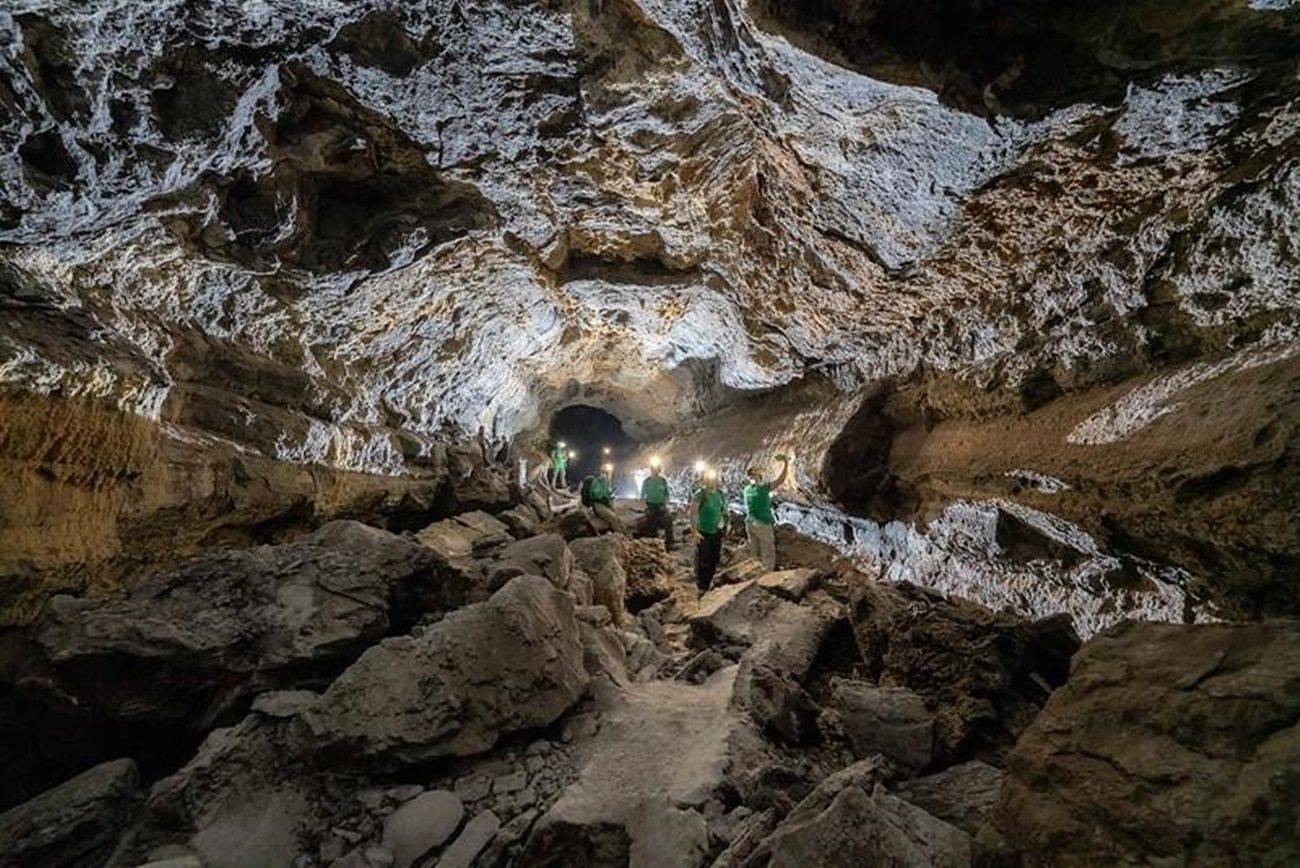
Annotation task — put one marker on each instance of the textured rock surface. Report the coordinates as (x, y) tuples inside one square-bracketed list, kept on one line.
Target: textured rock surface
[(990, 673), (512, 662), (77, 823), (962, 795), (423, 823), (1166, 743), (890, 721), (850, 820), (269, 616), (245, 798), (1029, 330), (324, 235), (660, 747)]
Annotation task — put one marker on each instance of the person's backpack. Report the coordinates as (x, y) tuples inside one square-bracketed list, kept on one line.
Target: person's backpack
[(585, 491)]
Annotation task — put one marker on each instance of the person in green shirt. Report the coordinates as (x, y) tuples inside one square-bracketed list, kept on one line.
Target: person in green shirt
[(708, 526), (559, 465), (601, 495), (654, 491), (759, 521)]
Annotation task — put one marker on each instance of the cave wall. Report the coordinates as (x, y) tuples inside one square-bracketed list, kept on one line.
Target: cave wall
[(333, 237)]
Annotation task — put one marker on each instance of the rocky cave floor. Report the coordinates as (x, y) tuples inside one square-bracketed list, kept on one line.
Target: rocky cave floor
[(514, 689)]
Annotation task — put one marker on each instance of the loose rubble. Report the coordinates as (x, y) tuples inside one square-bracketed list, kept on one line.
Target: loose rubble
[(809, 716)]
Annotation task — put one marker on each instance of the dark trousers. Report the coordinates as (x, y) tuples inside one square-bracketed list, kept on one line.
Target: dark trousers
[(657, 517), (708, 551)]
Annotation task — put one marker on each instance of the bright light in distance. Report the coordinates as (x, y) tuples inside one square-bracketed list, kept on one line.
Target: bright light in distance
[(700, 466), (606, 450), (639, 477), (561, 444), (573, 454)]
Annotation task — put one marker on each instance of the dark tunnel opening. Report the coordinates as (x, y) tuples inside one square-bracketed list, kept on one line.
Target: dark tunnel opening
[(588, 432)]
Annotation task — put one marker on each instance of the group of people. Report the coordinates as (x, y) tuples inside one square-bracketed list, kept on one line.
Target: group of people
[(710, 520), (708, 517)]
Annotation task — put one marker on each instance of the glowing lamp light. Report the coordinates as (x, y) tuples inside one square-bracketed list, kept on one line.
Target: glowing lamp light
[(606, 450), (700, 466), (560, 444), (608, 468), (656, 462), (573, 454)]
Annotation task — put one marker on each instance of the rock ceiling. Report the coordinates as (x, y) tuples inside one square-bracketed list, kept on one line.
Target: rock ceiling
[(325, 233)]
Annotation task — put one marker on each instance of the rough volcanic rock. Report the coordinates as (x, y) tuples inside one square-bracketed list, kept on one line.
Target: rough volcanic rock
[(661, 748), (545, 555), (601, 558), (963, 794), (76, 824), (247, 797), (1168, 742), (465, 535), (226, 624), (649, 573), (328, 235), (986, 674), (571, 524), (423, 823), (890, 721), (849, 819), (512, 662)]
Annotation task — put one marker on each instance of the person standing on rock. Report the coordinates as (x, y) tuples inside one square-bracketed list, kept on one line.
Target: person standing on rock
[(560, 465), (599, 495), (759, 520), (654, 491), (708, 525)]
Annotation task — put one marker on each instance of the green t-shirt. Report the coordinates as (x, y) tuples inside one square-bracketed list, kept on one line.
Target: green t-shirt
[(758, 503), (560, 458), (654, 490), (601, 490), (712, 510)]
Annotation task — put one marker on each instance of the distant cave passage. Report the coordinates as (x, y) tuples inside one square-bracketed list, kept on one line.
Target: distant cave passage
[(856, 471), (588, 432)]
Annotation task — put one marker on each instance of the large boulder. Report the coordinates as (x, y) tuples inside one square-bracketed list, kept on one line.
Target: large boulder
[(76, 824), (546, 555), (892, 721), (196, 640), (522, 520), (663, 750), (849, 820), (649, 571), (512, 662), (963, 794), (767, 628), (421, 824), (986, 674), (249, 795), (573, 523), (776, 642), (476, 483), (601, 558), (1170, 744), (465, 536)]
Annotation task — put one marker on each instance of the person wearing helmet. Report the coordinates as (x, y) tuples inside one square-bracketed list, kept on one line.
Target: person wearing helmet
[(654, 491), (599, 495), (759, 520), (560, 465), (708, 519)]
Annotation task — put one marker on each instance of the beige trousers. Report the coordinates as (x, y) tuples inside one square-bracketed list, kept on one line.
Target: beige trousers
[(762, 543), (609, 517)]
